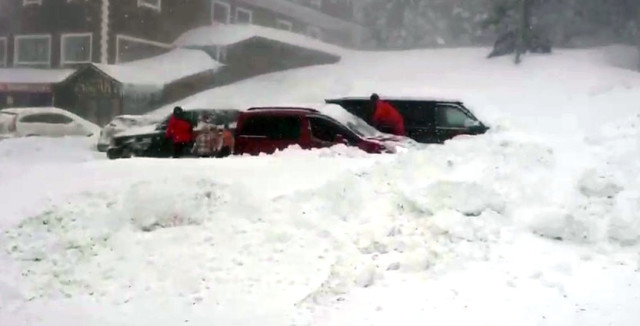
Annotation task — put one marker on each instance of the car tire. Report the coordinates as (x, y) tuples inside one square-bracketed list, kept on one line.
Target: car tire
[(114, 153)]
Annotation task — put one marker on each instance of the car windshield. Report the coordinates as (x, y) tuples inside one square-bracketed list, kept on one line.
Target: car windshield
[(362, 128)]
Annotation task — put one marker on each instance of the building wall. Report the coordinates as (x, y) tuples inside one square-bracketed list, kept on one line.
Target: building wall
[(136, 31), (139, 31), (54, 18)]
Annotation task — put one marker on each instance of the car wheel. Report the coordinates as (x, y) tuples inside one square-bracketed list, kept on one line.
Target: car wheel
[(114, 153), (126, 153)]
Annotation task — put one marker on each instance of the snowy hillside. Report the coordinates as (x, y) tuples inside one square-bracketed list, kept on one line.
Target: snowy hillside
[(534, 223)]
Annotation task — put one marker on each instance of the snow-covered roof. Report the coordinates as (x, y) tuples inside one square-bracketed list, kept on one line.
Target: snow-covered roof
[(34, 76), (305, 14), (221, 35), (163, 69)]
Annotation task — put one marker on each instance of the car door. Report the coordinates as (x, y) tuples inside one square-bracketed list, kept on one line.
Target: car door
[(268, 133), (45, 124), (419, 120), (451, 122)]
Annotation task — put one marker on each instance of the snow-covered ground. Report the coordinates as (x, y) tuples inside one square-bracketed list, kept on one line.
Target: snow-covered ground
[(535, 223)]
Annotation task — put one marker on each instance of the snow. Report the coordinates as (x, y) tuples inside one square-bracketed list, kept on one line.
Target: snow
[(162, 69), (224, 35), (534, 223), (34, 76)]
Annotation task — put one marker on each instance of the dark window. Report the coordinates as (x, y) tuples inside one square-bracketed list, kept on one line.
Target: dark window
[(50, 118), (326, 130), (220, 12), (416, 114), (451, 116), (272, 127)]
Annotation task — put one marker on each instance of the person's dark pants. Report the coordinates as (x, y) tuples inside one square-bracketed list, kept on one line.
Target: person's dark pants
[(179, 149)]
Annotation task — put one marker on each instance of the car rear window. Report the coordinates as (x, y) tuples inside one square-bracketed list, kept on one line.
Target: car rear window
[(272, 127)]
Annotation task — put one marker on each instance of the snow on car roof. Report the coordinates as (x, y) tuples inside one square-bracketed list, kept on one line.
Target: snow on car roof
[(230, 34), (162, 69), (36, 110), (400, 98), (34, 76)]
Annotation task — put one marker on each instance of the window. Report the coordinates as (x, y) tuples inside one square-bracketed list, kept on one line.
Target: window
[(272, 127), (244, 16), (3, 51), (32, 50), (284, 25), (48, 118), (129, 48), (416, 114), (314, 32), (328, 131), (31, 2), (221, 12), (451, 116), (76, 48), (153, 4)]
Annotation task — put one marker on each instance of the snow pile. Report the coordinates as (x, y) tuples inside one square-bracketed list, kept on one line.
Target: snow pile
[(223, 35), (178, 63), (534, 222)]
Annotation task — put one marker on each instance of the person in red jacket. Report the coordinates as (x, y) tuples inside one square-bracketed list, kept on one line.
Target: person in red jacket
[(180, 132), (386, 118)]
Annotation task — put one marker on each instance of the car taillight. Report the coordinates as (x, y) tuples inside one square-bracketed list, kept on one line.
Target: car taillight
[(13, 124)]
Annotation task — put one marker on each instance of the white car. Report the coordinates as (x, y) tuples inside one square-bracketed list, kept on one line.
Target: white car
[(44, 121), (120, 124)]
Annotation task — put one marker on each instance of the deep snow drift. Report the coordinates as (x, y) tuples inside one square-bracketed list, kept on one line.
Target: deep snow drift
[(535, 223)]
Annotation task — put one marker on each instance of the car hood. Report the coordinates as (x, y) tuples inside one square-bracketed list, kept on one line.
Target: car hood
[(138, 131)]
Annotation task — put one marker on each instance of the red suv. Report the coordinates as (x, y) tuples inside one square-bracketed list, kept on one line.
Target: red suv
[(265, 130)]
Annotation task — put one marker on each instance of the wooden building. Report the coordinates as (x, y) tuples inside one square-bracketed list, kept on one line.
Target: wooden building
[(68, 33)]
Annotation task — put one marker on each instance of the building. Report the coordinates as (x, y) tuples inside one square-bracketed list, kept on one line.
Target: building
[(67, 33)]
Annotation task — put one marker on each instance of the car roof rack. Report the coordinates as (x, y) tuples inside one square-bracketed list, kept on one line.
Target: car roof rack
[(276, 108)]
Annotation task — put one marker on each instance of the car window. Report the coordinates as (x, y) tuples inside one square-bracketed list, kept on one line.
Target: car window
[(49, 118), (451, 116), (272, 127), (418, 114), (327, 130)]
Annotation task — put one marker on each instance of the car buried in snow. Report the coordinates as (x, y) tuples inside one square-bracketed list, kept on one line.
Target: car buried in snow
[(43, 122), (118, 125), (426, 120), (270, 129), (150, 140)]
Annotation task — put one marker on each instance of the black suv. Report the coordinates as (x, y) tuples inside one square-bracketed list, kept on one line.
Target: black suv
[(426, 120), (150, 141)]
